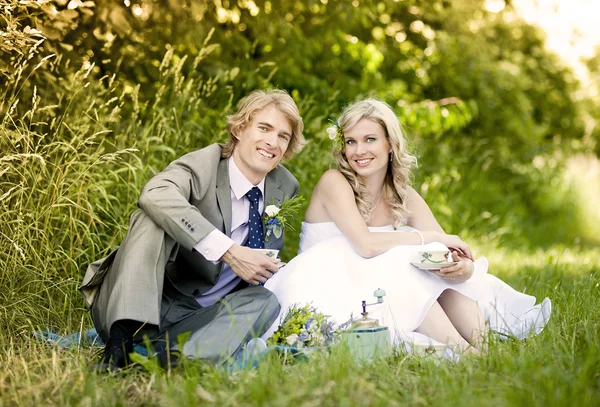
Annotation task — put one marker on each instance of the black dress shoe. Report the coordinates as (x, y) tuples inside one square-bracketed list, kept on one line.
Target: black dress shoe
[(113, 359), (169, 359), (118, 347)]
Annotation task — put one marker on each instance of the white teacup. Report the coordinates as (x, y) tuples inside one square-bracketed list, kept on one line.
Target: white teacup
[(272, 253), (435, 256)]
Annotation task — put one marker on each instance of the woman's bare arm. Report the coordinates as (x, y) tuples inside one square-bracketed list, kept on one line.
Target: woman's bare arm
[(420, 216), (334, 197)]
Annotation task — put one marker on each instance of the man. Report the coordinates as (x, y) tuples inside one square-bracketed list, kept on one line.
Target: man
[(184, 266)]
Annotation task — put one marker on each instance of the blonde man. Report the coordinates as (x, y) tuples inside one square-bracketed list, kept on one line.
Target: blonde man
[(184, 265)]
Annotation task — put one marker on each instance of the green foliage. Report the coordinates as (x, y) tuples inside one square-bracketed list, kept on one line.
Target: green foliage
[(591, 107), (495, 100)]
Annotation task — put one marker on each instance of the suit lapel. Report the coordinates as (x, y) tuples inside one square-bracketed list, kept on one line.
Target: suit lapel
[(273, 196), (224, 194)]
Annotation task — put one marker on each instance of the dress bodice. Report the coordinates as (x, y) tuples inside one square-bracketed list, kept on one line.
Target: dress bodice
[(313, 233)]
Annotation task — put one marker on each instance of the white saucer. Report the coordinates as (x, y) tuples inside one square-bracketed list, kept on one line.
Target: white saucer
[(432, 266)]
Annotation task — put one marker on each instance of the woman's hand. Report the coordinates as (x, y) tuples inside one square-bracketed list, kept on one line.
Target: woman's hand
[(458, 273), (454, 242)]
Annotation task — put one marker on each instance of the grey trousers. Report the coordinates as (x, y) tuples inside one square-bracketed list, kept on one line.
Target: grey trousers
[(216, 333), (219, 331)]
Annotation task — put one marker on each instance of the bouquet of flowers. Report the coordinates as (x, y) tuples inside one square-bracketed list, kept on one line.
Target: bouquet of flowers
[(305, 327)]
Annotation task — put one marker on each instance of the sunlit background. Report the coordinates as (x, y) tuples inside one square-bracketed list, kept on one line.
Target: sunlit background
[(571, 26), (573, 31)]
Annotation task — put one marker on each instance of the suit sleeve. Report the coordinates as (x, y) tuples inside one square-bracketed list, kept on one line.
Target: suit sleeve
[(166, 200)]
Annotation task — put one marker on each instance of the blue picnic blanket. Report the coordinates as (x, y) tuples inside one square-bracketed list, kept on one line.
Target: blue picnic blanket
[(79, 339), (244, 359)]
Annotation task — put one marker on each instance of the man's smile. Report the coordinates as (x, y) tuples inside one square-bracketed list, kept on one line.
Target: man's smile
[(265, 153)]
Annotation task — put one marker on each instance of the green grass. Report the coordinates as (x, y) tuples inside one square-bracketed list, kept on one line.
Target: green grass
[(561, 366)]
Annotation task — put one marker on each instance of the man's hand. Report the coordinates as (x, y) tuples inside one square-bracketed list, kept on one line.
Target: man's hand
[(251, 266), (458, 273)]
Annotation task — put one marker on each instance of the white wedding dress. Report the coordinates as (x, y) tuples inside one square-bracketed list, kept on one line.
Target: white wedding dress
[(328, 274)]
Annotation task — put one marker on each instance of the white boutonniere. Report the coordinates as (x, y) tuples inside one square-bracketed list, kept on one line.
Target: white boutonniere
[(272, 210), (275, 217)]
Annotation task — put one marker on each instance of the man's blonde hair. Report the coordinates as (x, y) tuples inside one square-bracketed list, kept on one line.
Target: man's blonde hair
[(259, 100)]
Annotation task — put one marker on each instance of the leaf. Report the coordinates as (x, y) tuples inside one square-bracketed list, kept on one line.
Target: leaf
[(182, 339), (149, 364), (277, 231)]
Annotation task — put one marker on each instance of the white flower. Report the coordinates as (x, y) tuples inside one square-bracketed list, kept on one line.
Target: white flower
[(332, 131), (272, 210), (292, 339)]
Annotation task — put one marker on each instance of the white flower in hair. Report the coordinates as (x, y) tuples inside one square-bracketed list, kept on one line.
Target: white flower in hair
[(336, 135), (332, 131)]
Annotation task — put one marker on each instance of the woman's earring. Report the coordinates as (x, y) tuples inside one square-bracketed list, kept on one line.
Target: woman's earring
[(391, 156)]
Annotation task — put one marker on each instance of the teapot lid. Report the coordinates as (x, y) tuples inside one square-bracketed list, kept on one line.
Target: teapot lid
[(364, 323)]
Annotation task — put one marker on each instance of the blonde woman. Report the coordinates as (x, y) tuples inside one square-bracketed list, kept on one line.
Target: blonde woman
[(364, 226)]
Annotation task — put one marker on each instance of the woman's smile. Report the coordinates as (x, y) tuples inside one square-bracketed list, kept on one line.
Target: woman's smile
[(363, 162)]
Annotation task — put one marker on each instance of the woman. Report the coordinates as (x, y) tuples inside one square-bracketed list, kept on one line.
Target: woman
[(363, 227)]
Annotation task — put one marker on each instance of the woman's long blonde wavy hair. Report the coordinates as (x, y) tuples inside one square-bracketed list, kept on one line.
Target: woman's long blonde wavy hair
[(398, 175)]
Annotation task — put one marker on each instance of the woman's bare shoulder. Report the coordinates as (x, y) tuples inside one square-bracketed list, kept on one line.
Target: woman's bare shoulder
[(328, 190), (411, 193), (413, 202), (332, 179), (332, 185)]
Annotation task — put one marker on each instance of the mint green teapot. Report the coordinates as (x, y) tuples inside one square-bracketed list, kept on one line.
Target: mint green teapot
[(365, 338)]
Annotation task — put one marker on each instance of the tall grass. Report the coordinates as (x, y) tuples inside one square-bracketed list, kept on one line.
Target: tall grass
[(52, 176), (71, 168)]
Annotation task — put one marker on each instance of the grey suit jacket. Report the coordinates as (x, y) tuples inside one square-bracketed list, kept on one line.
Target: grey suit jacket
[(186, 201)]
